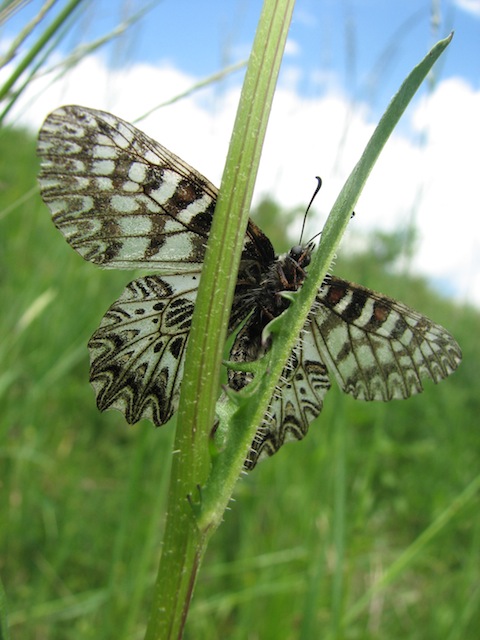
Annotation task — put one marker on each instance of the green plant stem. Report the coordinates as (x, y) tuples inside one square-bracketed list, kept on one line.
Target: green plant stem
[(186, 537), (23, 35)]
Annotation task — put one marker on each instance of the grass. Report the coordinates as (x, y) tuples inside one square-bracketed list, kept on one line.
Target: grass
[(310, 531)]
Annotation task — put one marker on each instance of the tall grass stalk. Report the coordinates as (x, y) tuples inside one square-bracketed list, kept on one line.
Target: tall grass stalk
[(188, 529), (8, 88), (31, 66)]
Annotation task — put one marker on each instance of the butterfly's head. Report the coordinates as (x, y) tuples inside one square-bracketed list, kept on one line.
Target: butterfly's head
[(301, 254)]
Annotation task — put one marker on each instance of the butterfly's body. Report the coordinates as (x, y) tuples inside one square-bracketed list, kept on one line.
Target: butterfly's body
[(124, 201)]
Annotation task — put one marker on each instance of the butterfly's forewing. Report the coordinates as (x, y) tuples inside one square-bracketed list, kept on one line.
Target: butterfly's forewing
[(137, 353), (378, 348), (121, 199)]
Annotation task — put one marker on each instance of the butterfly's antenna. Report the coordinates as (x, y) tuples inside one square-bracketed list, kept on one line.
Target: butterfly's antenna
[(317, 189)]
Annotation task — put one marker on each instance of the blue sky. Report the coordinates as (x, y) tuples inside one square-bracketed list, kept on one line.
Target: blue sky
[(353, 40), (344, 61), (364, 44)]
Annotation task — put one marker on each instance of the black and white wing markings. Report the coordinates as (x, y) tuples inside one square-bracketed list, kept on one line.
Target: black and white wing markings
[(297, 401), (137, 353), (122, 200), (298, 397), (378, 348), (375, 347)]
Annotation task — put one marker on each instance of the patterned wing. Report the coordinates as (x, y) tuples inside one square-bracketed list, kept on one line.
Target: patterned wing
[(297, 401), (121, 199), (378, 348), (137, 353), (124, 202)]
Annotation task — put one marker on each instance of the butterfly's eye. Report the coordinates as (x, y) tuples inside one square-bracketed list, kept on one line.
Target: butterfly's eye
[(300, 255), (306, 259), (296, 252)]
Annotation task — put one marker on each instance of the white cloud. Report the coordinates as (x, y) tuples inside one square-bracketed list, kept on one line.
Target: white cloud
[(449, 118), (437, 180), (292, 48), (470, 6)]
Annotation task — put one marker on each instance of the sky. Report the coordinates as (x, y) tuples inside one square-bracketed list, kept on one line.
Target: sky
[(343, 62)]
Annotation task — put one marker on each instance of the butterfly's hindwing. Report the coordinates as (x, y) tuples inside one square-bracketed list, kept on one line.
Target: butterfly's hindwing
[(375, 347), (297, 401), (137, 353)]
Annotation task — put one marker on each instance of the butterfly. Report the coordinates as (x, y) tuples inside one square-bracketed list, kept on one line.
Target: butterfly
[(123, 201)]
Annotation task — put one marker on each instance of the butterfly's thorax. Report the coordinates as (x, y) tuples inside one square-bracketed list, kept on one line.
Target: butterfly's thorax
[(285, 273)]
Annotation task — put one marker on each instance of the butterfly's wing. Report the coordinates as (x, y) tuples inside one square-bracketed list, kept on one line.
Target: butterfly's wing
[(378, 348), (137, 353), (123, 201), (297, 401), (375, 347), (298, 396)]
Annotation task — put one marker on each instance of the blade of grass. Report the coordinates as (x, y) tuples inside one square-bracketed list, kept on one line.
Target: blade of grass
[(53, 35), (205, 82), (4, 632), (185, 541), (23, 35), (8, 8), (410, 554)]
